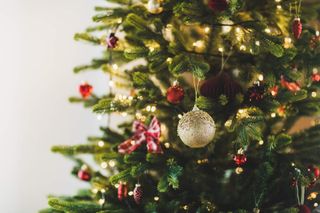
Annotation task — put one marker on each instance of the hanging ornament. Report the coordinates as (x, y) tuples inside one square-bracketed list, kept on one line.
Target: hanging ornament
[(297, 28), (122, 190), (154, 6), (196, 128), (84, 173), (112, 41), (143, 134), (256, 92), (274, 90), (315, 77), (218, 5), (175, 94), (304, 209), (221, 84), (240, 158), (137, 194), (292, 86), (85, 90), (315, 171)]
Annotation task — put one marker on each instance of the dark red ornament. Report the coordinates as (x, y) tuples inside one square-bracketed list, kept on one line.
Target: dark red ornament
[(315, 77), (304, 209), (240, 159), (137, 194), (297, 28), (84, 175), (112, 41), (85, 90), (218, 5), (122, 190), (315, 171), (175, 94), (221, 84), (292, 86), (256, 92)]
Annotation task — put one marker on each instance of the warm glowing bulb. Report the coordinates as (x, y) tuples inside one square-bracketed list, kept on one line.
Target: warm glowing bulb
[(243, 48), (156, 198), (220, 49), (115, 66), (314, 94), (257, 43), (267, 30), (207, 29), (101, 201), (104, 165), (279, 7), (273, 115), (101, 143), (112, 163), (167, 145), (261, 142), (260, 77)]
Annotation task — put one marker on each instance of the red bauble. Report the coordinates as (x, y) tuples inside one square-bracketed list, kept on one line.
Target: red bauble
[(240, 159), (315, 77), (221, 84), (315, 171), (85, 90), (122, 191), (304, 209), (112, 41), (218, 5), (175, 94), (137, 194), (297, 28), (292, 86), (84, 175)]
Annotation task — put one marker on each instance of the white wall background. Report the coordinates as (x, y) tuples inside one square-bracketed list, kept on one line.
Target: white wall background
[(37, 53)]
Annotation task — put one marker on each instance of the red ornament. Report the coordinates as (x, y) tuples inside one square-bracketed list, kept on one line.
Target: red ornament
[(240, 159), (256, 92), (297, 28), (85, 90), (304, 209), (122, 190), (218, 5), (112, 41), (84, 175), (175, 94), (274, 90), (315, 77), (292, 86), (137, 194), (315, 170)]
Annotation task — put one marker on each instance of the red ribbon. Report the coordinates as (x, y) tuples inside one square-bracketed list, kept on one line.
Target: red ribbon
[(143, 134), (292, 86)]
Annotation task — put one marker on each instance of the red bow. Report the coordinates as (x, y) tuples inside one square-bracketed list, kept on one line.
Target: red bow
[(143, 134), (292, 86)]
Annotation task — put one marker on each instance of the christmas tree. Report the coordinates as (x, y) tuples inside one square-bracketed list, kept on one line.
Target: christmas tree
[(213, 92)]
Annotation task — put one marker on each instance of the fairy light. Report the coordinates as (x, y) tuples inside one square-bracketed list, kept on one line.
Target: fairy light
[(156, 198), (153, 108), (148, 108), (103, 190), (314, 94), (277, 1), (169, 60), (111, 84), (279, 7), (239, 170), (130, 193), (198, 43), (95, 190), (273, 115), (116, 185), (151, 49), (228, 123), (167, 145), (115, 66), (261, 142), (185, 207), (257, 43), (287, 42), (220, 49), (315, 204), (112, 163), (226, 29), (101, 143), (179, 116), (104, 165), (260, 77), (293, 164), (317, 33), (267, 30), (243, 47), (315, 70), (102, 201), (207, 29)]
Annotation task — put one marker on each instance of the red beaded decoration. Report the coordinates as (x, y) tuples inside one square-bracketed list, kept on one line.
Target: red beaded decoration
[(85, 90), (240, 159), (175, 94), (84, 175)]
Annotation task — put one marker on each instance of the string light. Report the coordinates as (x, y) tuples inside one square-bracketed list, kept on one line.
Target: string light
[(103, 190), (116, 185), (130, 193), (207, 29), (317, 33), (257, 43), (95, 190), (104, 165), (260, 77), (314, 94), (167, 145), (277, 1), (239, 170), (156, 198), (185, 207), (243, 48), (287, 42), (228, 123), (261, 142), (169, 60), (279, 7), (198, 43), (315, 204), (220, 49), (226, 29), (267, 30), (101, 201), (273, 115), (112, 163), (100, 143), (179, 116)]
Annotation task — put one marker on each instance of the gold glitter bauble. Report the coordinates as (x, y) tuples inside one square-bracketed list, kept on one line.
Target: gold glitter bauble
[(196, 128)]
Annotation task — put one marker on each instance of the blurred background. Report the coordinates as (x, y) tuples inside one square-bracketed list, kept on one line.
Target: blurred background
[(37, 56)]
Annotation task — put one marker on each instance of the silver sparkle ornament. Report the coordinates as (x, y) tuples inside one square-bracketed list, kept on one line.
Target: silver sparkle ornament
[(196, 128)]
